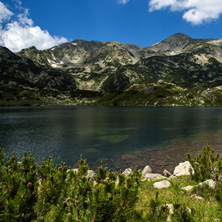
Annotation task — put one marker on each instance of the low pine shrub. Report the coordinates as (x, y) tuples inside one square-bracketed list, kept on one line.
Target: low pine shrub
[(30, 192), (205, 165)]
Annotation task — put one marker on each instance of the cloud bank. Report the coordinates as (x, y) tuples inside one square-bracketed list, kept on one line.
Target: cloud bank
[(195, 11), (20, 32)]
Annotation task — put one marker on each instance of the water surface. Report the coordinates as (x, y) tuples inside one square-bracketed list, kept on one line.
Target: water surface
[(121, 136)]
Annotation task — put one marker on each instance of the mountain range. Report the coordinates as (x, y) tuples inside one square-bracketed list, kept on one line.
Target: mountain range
[(176, 71)]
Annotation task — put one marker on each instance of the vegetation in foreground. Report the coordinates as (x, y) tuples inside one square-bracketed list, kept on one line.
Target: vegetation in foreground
[(32, 192)]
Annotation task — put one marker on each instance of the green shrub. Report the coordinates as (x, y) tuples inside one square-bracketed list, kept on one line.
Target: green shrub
[(205, 165), (30, 192), (181, 213), (157, 210)]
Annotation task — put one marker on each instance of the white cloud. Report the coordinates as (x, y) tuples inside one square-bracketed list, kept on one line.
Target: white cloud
[(123, 1), (195, 11), (5, 14), (21, 33)]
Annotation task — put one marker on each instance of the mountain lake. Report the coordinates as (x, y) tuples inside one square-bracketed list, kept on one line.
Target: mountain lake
[(121, 137)]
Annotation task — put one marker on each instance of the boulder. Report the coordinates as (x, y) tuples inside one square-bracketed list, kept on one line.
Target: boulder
[(147, 169), (156, 103), (127, 172), (153, 176), (209, 183), (160, 81), (183, 169), (166, 173), (164, 184), (187, 188)]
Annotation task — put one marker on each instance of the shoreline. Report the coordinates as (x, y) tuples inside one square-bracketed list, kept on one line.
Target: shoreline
[(164, 157)]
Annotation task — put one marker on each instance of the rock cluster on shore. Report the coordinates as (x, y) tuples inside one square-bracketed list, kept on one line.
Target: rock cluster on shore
[(163, 181)]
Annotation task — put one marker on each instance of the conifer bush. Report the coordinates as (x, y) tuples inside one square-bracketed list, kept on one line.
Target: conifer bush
[(157, 211), (205, 165), (32, 192), (208, 166), (181, 213)]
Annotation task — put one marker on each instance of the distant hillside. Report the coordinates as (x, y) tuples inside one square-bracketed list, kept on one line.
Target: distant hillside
[(82, 71)]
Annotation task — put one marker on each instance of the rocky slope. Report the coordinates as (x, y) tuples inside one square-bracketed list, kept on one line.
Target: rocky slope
[(163, 94), (89, 69)]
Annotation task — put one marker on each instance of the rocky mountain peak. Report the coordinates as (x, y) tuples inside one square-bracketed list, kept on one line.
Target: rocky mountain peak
[(89, 46), (173, 45), (30, 49), (179, 37)]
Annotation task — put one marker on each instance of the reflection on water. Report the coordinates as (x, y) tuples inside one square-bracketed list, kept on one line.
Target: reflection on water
[(122, 136)]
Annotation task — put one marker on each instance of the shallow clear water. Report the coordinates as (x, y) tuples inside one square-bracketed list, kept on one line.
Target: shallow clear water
[(108, 133)]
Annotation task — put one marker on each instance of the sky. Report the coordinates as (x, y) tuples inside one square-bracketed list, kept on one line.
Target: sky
[(46, 23)]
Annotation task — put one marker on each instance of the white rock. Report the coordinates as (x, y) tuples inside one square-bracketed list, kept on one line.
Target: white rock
[(73, 170), (154, 176), (91, 174), (171, 211), (170, 207), (166, 173), (147, 169), (164, 184), (188, 209), (209, 183), (187, 188), (197, 197), (183, 169), (160, 81), (127, 172)]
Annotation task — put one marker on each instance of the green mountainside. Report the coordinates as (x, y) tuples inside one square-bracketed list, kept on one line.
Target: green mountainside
[(83, 72)]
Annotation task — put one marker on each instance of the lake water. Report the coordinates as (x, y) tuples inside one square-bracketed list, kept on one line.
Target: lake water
[(120, 136)]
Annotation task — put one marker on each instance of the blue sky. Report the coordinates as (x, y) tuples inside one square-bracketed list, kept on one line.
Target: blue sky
[(45, 23)]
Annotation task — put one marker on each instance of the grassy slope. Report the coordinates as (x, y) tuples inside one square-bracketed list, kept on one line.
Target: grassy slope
[(204, 210)]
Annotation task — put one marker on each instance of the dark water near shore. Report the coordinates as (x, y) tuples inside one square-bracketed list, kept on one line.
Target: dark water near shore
[(121, 136)]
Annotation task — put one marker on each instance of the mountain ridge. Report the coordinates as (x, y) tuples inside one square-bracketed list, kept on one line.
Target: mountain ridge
[(107, 67)]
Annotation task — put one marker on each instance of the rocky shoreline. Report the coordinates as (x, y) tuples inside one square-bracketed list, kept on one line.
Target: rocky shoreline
[(164, 157), (165, 179)]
